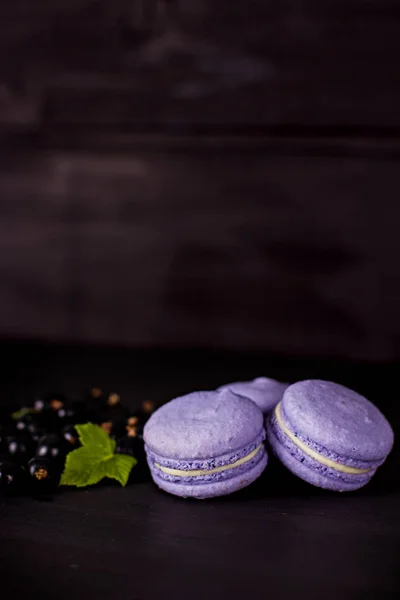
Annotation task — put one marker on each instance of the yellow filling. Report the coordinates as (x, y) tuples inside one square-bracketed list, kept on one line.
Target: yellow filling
[(197, 472), (321, 459)]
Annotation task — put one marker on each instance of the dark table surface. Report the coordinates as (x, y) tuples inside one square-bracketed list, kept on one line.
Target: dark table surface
[(279, 537)]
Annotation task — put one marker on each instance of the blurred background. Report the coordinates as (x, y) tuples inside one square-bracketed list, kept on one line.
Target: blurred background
[(201, 173)]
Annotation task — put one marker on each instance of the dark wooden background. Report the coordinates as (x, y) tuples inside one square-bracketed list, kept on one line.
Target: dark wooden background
[(220, 174)]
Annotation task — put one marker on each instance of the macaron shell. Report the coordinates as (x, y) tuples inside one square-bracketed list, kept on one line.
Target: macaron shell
[(314, 477), (265, 392), (213, 489), (338, 419), (310, 470), (203, 425)]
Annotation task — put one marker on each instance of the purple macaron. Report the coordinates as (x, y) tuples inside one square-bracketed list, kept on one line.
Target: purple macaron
[(206, 444), (329, 435), (265, 392)]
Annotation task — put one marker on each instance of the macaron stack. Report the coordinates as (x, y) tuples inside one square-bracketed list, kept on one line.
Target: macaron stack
[(208, 444), (329, 435)]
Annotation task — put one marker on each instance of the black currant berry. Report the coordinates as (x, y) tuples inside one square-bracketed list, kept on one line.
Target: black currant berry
[(33, 423), (119, 412), (53, 401), (118, 415), (13, 477), (20, 448), (113, 419), (113, 399), (132, 421), (95, 396), (148, 408), (40, 404), (95, 393), (143, 414), (52, 447), (71, 437), (133, 445), (21, 424), (95, 404), (114, 430), (65, 416), (44, 475)]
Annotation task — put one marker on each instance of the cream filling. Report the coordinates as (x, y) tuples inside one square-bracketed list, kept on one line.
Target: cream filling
[(198, 472), (321, 459)]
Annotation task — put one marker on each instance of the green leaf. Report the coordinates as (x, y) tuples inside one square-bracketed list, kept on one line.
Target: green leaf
[(119, 467), (79, 467), (19, 414), (96, 438), (95, 459)]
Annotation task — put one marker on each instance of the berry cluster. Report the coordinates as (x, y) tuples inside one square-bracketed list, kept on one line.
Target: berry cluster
[(35, 441)]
